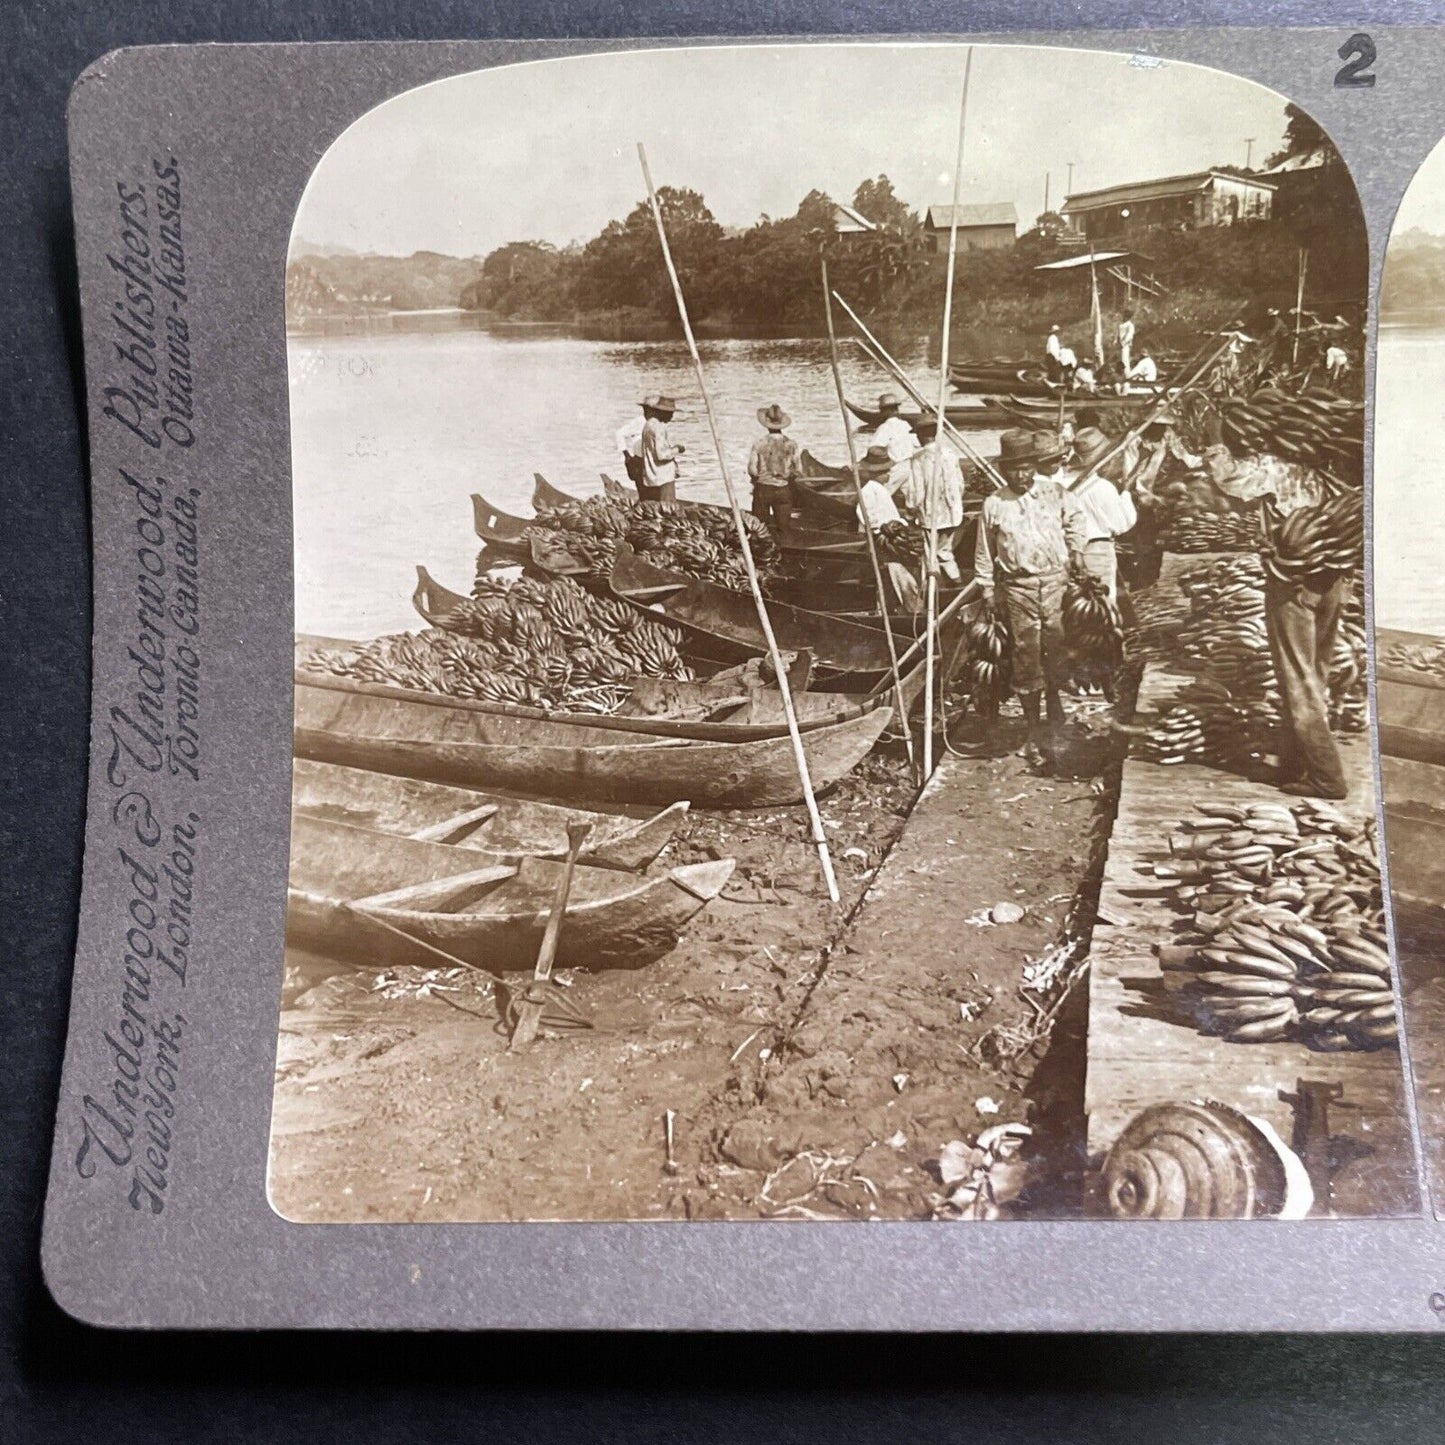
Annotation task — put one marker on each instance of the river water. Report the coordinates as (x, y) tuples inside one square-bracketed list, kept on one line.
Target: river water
[(1409, 511), (394, 424)]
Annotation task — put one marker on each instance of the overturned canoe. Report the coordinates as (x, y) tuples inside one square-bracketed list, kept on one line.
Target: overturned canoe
[(378, 900), (502, 829), (727, 622)]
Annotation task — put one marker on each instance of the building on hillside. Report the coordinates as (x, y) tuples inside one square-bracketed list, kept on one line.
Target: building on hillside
[(992, 226), (1177, 203), (848, 222)]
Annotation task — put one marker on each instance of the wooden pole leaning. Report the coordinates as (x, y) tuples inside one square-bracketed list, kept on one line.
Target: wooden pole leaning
[(1299, 305), (930, 490), (820, 839), (903, 720), (876, 350)]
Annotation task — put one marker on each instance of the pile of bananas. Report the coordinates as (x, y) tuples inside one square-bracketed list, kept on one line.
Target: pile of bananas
[(1315, 541), (1210, 532), (987, 671), (1427, 657), (582, 537), (1227, 714), (540, 643), (1093, 630), (1286, 932), (1316, 428)]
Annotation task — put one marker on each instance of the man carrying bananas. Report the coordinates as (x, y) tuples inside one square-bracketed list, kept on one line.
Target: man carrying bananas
[(1030, 535), (1302, 618)]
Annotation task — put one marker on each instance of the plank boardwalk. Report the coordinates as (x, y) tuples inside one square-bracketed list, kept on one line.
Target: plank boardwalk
[(1139, 1054)]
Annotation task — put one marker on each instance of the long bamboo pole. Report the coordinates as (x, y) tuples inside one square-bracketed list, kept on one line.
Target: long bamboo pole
[(903, 719), (1299, 305), (820, 839), (930, 490), (878, 352)]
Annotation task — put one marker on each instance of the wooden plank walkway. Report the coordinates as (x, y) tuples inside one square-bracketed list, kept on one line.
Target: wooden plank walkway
[(1139, 1054)]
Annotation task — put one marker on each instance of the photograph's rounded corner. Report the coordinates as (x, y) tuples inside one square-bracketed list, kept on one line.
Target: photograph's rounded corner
[(93, 83), (58, 1272)]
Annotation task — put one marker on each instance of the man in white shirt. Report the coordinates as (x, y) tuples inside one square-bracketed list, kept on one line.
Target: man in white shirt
[(659, 453), (896, 437), (1125, 336), (1086, 377), (1144, 370), (933, 492), (1108, 507), (1052, 347), (876, 507)]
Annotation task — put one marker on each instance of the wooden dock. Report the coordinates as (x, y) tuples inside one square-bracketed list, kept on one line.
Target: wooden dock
[(1141, 1054)]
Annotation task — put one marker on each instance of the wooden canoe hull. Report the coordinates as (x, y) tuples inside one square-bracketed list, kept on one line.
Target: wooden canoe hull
[(491, 919), (502, 829), (658, 771), (963, 418)]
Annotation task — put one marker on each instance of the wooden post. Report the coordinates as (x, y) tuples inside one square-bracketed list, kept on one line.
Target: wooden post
[(903, 719), (820, 839), (529, 1010), (930, 491)]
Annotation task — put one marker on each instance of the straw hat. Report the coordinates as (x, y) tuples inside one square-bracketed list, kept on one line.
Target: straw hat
[(774, 418), (664, 404), (1090, 445), (1047, 448), (1016, 448), (890, 401), (874, 463)]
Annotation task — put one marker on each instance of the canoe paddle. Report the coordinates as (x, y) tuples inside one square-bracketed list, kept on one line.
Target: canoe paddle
[(532, 1003)]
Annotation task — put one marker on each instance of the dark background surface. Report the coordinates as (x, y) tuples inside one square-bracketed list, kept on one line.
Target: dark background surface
[(62, 1381)]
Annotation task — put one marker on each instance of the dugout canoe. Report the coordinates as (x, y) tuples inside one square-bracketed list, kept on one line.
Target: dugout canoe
[(726, 622), (378, 900), (988, 415), (726, 709), (498, 529), (1032, 382), (502, 829), (442, 744)]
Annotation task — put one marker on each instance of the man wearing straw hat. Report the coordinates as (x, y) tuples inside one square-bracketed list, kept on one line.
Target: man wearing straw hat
[(773, 464), (1030, 534), (897, 437), (659, 455), (1108, 506)]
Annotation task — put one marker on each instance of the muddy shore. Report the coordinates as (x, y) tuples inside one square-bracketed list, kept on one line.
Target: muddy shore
[(817, 1060)]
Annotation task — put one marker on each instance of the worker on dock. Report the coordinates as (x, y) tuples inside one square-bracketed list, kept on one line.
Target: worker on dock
[(897, 437), (659, 454), (773, 464), (1101, 489), (1302, 620), (878, 511), (1052, 347), (1030, 534)]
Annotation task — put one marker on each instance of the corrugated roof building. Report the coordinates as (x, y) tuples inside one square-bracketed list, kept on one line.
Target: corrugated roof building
[(990, 226), (1181, 203)]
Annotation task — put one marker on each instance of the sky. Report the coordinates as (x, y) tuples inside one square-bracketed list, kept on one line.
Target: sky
[(547, 150), (1423, 206)]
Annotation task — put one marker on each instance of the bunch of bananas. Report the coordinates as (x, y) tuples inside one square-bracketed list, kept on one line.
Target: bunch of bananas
[(987, 671), (1314, 541), (1209, 532), (1092, 629), (898, 542), (1316, 428), (540, 642), (581, 538), (1426, 657), (1286, 935)]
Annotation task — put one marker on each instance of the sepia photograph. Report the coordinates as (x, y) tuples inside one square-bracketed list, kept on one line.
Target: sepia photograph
[(1410, 627), (832, 673)]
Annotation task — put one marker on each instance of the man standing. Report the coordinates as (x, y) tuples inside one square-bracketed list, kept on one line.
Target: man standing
[(1052, 347), (773, 464), (659, 455), (1108, 507), (1302, 620), (1125, 336), (877, 510), (629, 444), (933, 492), (897, 437), (1029, 536)]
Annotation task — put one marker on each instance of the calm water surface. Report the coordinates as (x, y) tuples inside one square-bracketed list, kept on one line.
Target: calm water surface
[(393, 430)]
